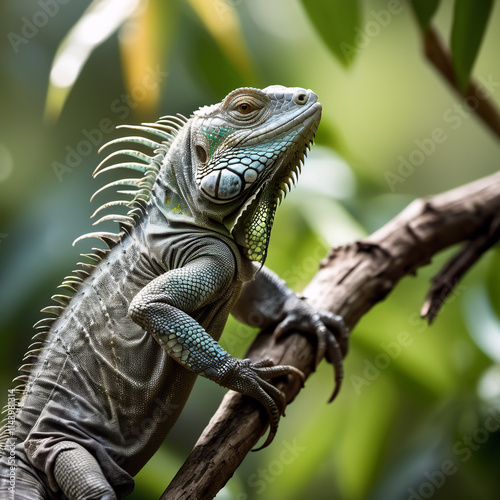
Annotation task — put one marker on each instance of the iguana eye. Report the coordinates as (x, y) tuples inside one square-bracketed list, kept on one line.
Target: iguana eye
[(245, 108)]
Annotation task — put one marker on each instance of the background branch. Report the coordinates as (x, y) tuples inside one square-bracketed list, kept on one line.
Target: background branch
[(351, 280), (481, 103), (444, 282)]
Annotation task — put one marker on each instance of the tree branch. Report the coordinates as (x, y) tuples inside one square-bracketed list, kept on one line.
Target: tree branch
[(446, 280), (475, 97), (351, 280)]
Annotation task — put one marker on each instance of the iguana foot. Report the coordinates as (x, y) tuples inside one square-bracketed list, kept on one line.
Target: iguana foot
[(252, 379), (328, 328)]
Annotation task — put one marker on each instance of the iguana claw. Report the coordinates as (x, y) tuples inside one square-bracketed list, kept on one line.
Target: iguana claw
[(251, 379), (329, 330)]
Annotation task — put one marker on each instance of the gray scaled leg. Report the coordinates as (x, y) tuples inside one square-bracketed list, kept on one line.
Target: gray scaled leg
[(79, 475)]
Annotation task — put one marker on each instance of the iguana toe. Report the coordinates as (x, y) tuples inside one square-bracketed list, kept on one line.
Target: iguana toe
[(251, 379), (328, 328)]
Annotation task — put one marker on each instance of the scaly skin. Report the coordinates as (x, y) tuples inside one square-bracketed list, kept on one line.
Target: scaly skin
[(119, 360)]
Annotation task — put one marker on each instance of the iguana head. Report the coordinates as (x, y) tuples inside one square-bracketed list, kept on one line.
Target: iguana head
[(246, 152), (231, 163)]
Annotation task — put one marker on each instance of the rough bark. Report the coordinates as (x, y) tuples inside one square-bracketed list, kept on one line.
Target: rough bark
[(351, 280)]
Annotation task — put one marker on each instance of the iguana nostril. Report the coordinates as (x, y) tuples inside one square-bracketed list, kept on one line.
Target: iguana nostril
[(300, 98), (201, 153)]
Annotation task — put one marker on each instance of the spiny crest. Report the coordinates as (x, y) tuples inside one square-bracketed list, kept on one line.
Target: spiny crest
[(138, 189), (288, 183), (136, 196)]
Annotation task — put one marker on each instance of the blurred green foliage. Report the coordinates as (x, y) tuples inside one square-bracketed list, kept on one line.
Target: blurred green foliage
[(418, 414)]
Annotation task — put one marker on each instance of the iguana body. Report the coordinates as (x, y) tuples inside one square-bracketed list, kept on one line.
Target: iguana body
[(120, 357)]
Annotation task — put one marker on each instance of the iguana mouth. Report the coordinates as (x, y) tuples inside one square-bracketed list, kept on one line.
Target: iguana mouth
[(287, 167), (289, 171)]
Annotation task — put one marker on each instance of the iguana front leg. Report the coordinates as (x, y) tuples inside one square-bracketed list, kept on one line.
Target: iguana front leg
[(163, 309), (268, 302)]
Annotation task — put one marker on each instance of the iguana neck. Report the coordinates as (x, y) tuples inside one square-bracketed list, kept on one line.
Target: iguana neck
[(175, 194)]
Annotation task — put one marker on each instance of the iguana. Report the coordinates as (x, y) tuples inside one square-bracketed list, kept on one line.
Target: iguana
[(119, 357)]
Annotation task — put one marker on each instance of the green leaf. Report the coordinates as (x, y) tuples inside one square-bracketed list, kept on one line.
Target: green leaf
[(222, 21), (336, 22), (144, 41), (425, 10), (101, 19), (469, 24)]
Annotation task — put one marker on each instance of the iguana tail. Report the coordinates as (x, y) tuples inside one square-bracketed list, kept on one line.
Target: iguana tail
[(18, 482)]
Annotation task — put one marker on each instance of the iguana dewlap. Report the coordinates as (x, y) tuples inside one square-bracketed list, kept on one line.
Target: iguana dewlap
[(118, 359)]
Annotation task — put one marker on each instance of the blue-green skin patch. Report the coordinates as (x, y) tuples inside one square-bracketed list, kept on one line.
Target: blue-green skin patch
[(216, 136)]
